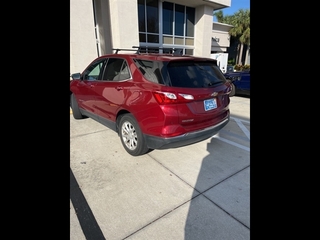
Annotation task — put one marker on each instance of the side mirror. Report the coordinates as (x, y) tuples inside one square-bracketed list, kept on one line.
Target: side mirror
[(76, 76)]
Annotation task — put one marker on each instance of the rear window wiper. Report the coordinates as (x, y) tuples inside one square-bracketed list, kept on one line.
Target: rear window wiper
[(210, 84)]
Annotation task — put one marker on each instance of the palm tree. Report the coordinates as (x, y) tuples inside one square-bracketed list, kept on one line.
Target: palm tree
[(245, 38), (219, 16), (240, 31)]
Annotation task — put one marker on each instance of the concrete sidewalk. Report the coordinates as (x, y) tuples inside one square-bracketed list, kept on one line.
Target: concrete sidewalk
[(200, 191)]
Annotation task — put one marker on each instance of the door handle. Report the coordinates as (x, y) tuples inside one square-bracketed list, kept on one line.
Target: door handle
[(119, 88)]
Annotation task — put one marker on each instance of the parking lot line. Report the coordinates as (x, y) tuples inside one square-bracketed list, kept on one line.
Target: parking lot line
[(243, 128), (232, 143)]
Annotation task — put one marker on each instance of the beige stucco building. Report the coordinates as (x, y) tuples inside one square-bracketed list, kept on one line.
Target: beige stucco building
[(99, 26)]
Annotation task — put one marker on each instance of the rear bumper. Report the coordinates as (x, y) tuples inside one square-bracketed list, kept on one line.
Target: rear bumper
[(185, 139)]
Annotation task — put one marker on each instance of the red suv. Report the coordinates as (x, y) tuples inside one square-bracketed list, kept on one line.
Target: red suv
[(153, 101)]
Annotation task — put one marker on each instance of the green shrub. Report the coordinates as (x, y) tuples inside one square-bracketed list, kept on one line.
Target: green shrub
[(239, 67), (246, 67), (231, 61)]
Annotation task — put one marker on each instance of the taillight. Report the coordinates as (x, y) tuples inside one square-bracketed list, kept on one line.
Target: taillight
[(167, 97)]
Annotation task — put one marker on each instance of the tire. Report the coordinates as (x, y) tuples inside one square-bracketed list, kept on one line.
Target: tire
[(75, 108), (131, 136), (233, 90)]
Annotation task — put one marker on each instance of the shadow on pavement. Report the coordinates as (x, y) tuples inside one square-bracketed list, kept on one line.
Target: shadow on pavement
[(220, 208)]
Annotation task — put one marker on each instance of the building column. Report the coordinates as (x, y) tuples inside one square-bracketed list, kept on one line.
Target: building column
[(203, 31), (124, 23)]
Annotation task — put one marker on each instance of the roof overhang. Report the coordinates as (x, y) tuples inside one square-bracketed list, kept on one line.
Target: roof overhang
[(216, 5), (223, 24)]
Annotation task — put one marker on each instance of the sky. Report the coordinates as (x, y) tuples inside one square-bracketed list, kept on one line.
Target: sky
[(235, 6)]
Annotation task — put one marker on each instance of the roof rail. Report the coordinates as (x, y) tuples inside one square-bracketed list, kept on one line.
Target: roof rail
[(147, 49), (122, 49), (175, 51)]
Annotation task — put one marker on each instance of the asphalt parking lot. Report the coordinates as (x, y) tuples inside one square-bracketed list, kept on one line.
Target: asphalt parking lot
[(200, 191)]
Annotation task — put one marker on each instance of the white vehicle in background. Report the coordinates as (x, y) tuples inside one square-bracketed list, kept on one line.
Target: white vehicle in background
[(222, 60)]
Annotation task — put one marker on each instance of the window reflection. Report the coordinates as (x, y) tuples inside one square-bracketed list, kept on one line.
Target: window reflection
[(190, 22), (177, 24), (152, 16), (141, 15), (167, 16), (179, 20)]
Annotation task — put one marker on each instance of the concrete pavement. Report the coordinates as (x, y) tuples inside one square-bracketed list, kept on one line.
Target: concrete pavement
[(200, 191)]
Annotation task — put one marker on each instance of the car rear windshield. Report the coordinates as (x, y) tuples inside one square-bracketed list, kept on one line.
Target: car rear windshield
[(194, 74), (189, 74)]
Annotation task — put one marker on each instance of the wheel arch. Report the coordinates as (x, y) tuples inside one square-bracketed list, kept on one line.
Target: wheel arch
[(118, 118)]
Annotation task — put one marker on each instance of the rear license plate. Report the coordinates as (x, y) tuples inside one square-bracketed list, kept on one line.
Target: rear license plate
[(210, 104)]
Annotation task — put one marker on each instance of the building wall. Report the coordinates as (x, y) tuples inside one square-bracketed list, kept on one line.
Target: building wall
[(116, 23), (124, 23), (220, 37), (82, 36), (220, 41)]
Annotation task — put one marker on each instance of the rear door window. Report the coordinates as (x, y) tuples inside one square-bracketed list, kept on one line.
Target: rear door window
[(116, 70)]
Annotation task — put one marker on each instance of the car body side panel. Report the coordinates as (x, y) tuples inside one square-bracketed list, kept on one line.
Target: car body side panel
[(110, 97), (84, 93)]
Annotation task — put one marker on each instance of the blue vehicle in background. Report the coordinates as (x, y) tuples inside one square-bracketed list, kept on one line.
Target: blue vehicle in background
[(240, 82)]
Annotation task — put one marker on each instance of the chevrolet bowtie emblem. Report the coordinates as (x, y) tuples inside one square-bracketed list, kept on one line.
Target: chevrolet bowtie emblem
[(214, 94)]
